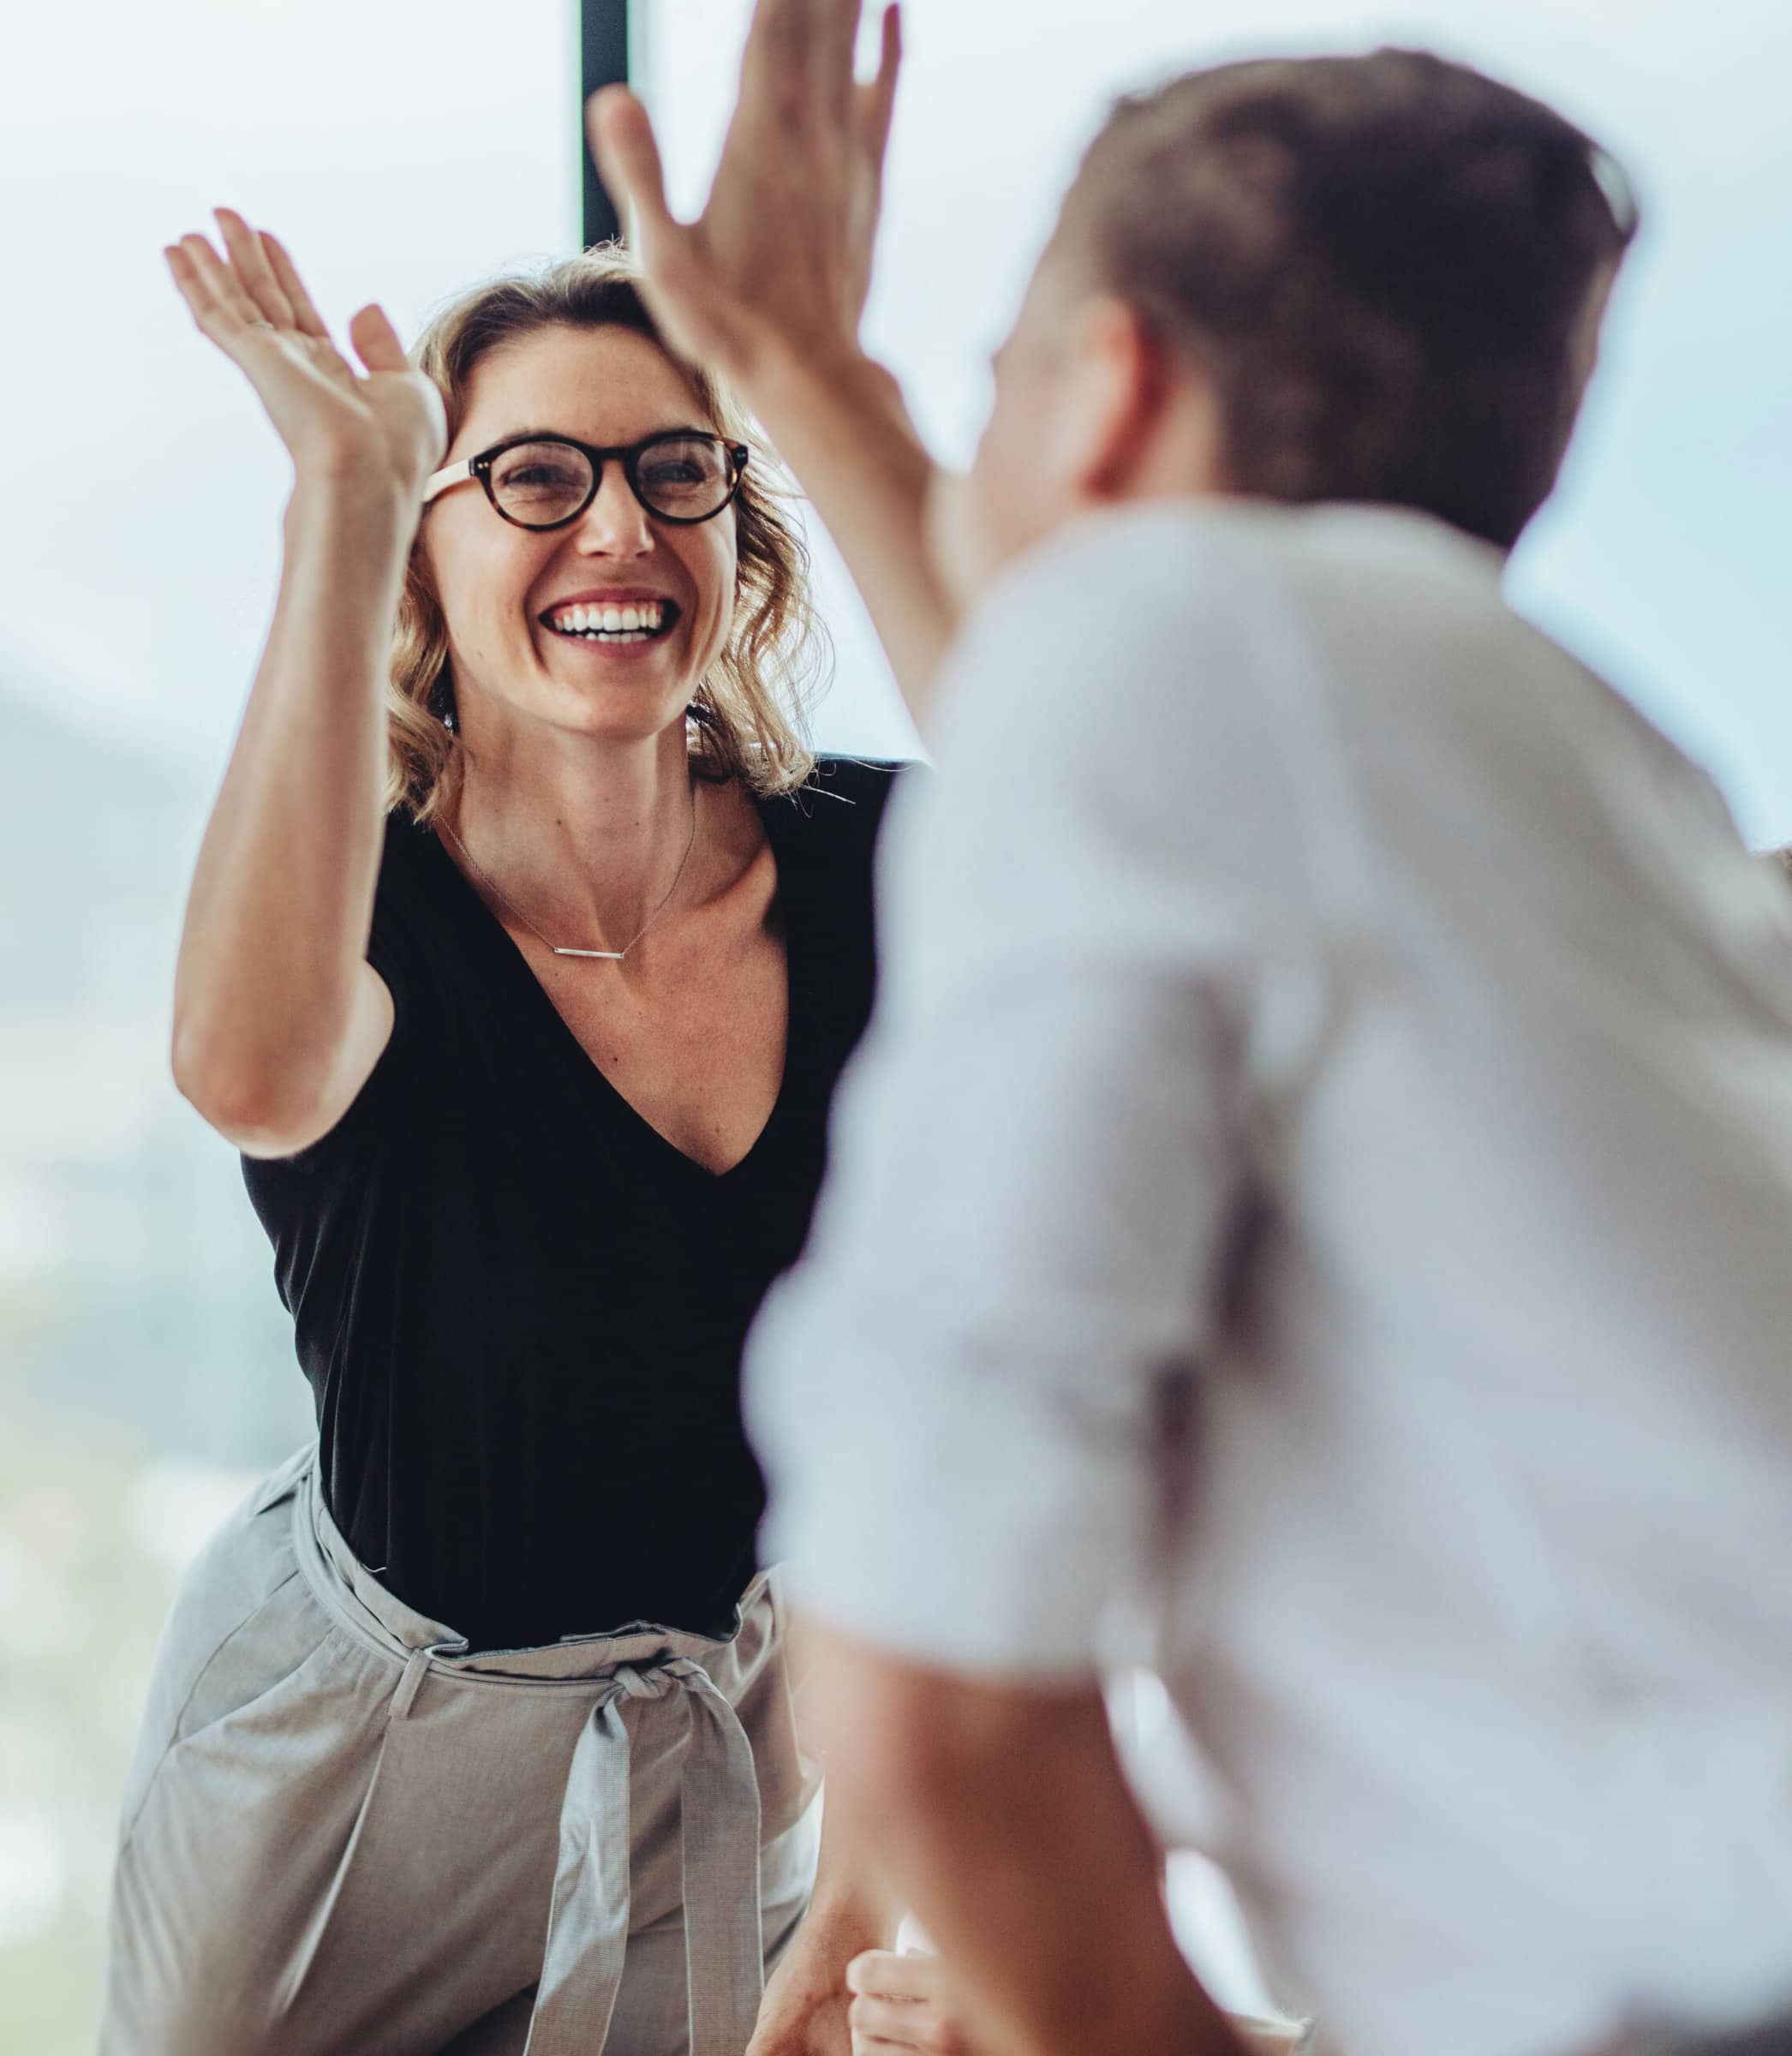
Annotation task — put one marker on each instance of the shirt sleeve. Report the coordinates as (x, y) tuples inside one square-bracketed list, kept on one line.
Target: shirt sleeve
[(1040, 1151)]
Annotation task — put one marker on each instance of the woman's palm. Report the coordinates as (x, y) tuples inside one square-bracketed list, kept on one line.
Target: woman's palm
[(386, 424)]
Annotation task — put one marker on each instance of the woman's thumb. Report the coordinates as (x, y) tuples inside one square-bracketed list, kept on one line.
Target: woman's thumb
[(376, 341)]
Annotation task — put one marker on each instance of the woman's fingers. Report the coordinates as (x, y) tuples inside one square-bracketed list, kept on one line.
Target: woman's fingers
[(387, 426), (305, 314), (218, 303), (254, 272), (186, 278)]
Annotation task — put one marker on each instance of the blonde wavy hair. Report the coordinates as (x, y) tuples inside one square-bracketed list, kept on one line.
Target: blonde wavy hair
[(748, 717)]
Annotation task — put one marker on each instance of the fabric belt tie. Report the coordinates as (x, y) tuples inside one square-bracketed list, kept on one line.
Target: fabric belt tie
[(588, 1928)]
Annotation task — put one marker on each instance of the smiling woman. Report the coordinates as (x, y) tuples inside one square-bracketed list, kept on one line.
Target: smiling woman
[(530, 1068), (524, 342)]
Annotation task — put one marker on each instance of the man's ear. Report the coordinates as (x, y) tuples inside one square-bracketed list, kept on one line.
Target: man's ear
[(1114, 391)]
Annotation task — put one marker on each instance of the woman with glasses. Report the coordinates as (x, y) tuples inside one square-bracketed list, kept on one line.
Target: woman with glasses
[(526, 943)]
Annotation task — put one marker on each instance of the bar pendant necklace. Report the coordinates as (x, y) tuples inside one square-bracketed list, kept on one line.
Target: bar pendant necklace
[(561, 949)]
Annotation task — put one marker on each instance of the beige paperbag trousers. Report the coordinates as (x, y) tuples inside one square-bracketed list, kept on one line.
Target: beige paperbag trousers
[(343, 1832)]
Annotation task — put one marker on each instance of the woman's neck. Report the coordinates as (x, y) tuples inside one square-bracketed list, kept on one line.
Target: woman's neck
[(584, 836)]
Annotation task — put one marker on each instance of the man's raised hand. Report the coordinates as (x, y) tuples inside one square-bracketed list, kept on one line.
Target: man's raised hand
[(778, 266)]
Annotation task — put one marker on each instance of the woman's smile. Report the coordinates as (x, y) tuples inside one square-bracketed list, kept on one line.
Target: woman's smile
[(614, 620)]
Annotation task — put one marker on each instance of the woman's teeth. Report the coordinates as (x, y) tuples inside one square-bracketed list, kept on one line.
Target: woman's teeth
[(640, 621)]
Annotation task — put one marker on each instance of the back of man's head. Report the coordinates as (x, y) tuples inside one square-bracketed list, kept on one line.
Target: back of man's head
[(1388, 268)]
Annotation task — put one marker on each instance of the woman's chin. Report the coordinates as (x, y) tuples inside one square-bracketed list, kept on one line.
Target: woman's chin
[(618, 708), (602, 699)]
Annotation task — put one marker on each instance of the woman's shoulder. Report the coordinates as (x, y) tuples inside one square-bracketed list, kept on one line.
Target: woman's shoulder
[(411, 847), (841, 803), (417, 879)]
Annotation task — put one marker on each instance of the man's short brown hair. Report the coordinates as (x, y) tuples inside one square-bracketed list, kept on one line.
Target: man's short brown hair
[(1389, 267)]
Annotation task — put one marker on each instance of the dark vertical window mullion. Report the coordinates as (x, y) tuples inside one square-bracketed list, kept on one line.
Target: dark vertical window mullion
[(603, 61)]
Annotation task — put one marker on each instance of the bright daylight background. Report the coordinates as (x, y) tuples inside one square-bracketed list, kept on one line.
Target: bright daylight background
[(404, 149)]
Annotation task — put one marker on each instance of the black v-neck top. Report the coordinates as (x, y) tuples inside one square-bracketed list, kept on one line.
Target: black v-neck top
[(521, 1309)]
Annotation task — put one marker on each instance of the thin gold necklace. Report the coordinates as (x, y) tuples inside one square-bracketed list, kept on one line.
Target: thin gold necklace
[(608, 956)]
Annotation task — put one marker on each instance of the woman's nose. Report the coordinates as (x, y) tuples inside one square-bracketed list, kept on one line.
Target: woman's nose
[(615, 523)]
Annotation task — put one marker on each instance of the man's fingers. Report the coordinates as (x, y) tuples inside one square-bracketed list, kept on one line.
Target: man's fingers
[(305, 314), (834, 43), (627, 155), (376, 341), (877, 98), (777, 63), (883, 1973), (250, 262)]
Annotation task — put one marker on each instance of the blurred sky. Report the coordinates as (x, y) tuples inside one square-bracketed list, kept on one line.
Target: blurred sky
[(407, 147)]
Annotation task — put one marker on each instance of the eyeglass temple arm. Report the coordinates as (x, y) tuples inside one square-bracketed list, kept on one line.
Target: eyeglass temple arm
[(450, 475)]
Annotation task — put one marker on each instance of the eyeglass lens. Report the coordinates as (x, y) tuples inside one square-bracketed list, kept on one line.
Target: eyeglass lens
[(685, 477)]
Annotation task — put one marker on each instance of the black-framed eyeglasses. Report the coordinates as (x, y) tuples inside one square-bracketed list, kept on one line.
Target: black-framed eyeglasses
[(545, 482)]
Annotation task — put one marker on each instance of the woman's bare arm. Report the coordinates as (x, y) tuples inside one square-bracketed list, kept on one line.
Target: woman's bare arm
[(279, 1019)]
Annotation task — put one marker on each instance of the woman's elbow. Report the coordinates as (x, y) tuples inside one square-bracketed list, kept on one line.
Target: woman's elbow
[(261, 1105)]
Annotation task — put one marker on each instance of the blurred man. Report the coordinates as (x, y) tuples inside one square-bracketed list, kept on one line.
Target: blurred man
[(1320, 1182)]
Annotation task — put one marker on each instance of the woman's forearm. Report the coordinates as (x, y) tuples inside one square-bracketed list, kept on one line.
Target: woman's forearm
[(270, 978)]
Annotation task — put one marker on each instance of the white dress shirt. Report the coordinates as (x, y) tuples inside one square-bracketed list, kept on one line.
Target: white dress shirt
[(1310, 994)]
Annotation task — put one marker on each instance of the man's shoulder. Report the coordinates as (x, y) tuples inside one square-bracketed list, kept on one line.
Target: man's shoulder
[(1216, 554), (1144, 617), (1167, 586)]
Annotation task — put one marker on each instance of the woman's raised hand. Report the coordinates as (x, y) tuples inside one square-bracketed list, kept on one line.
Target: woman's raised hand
[(384, 427)]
